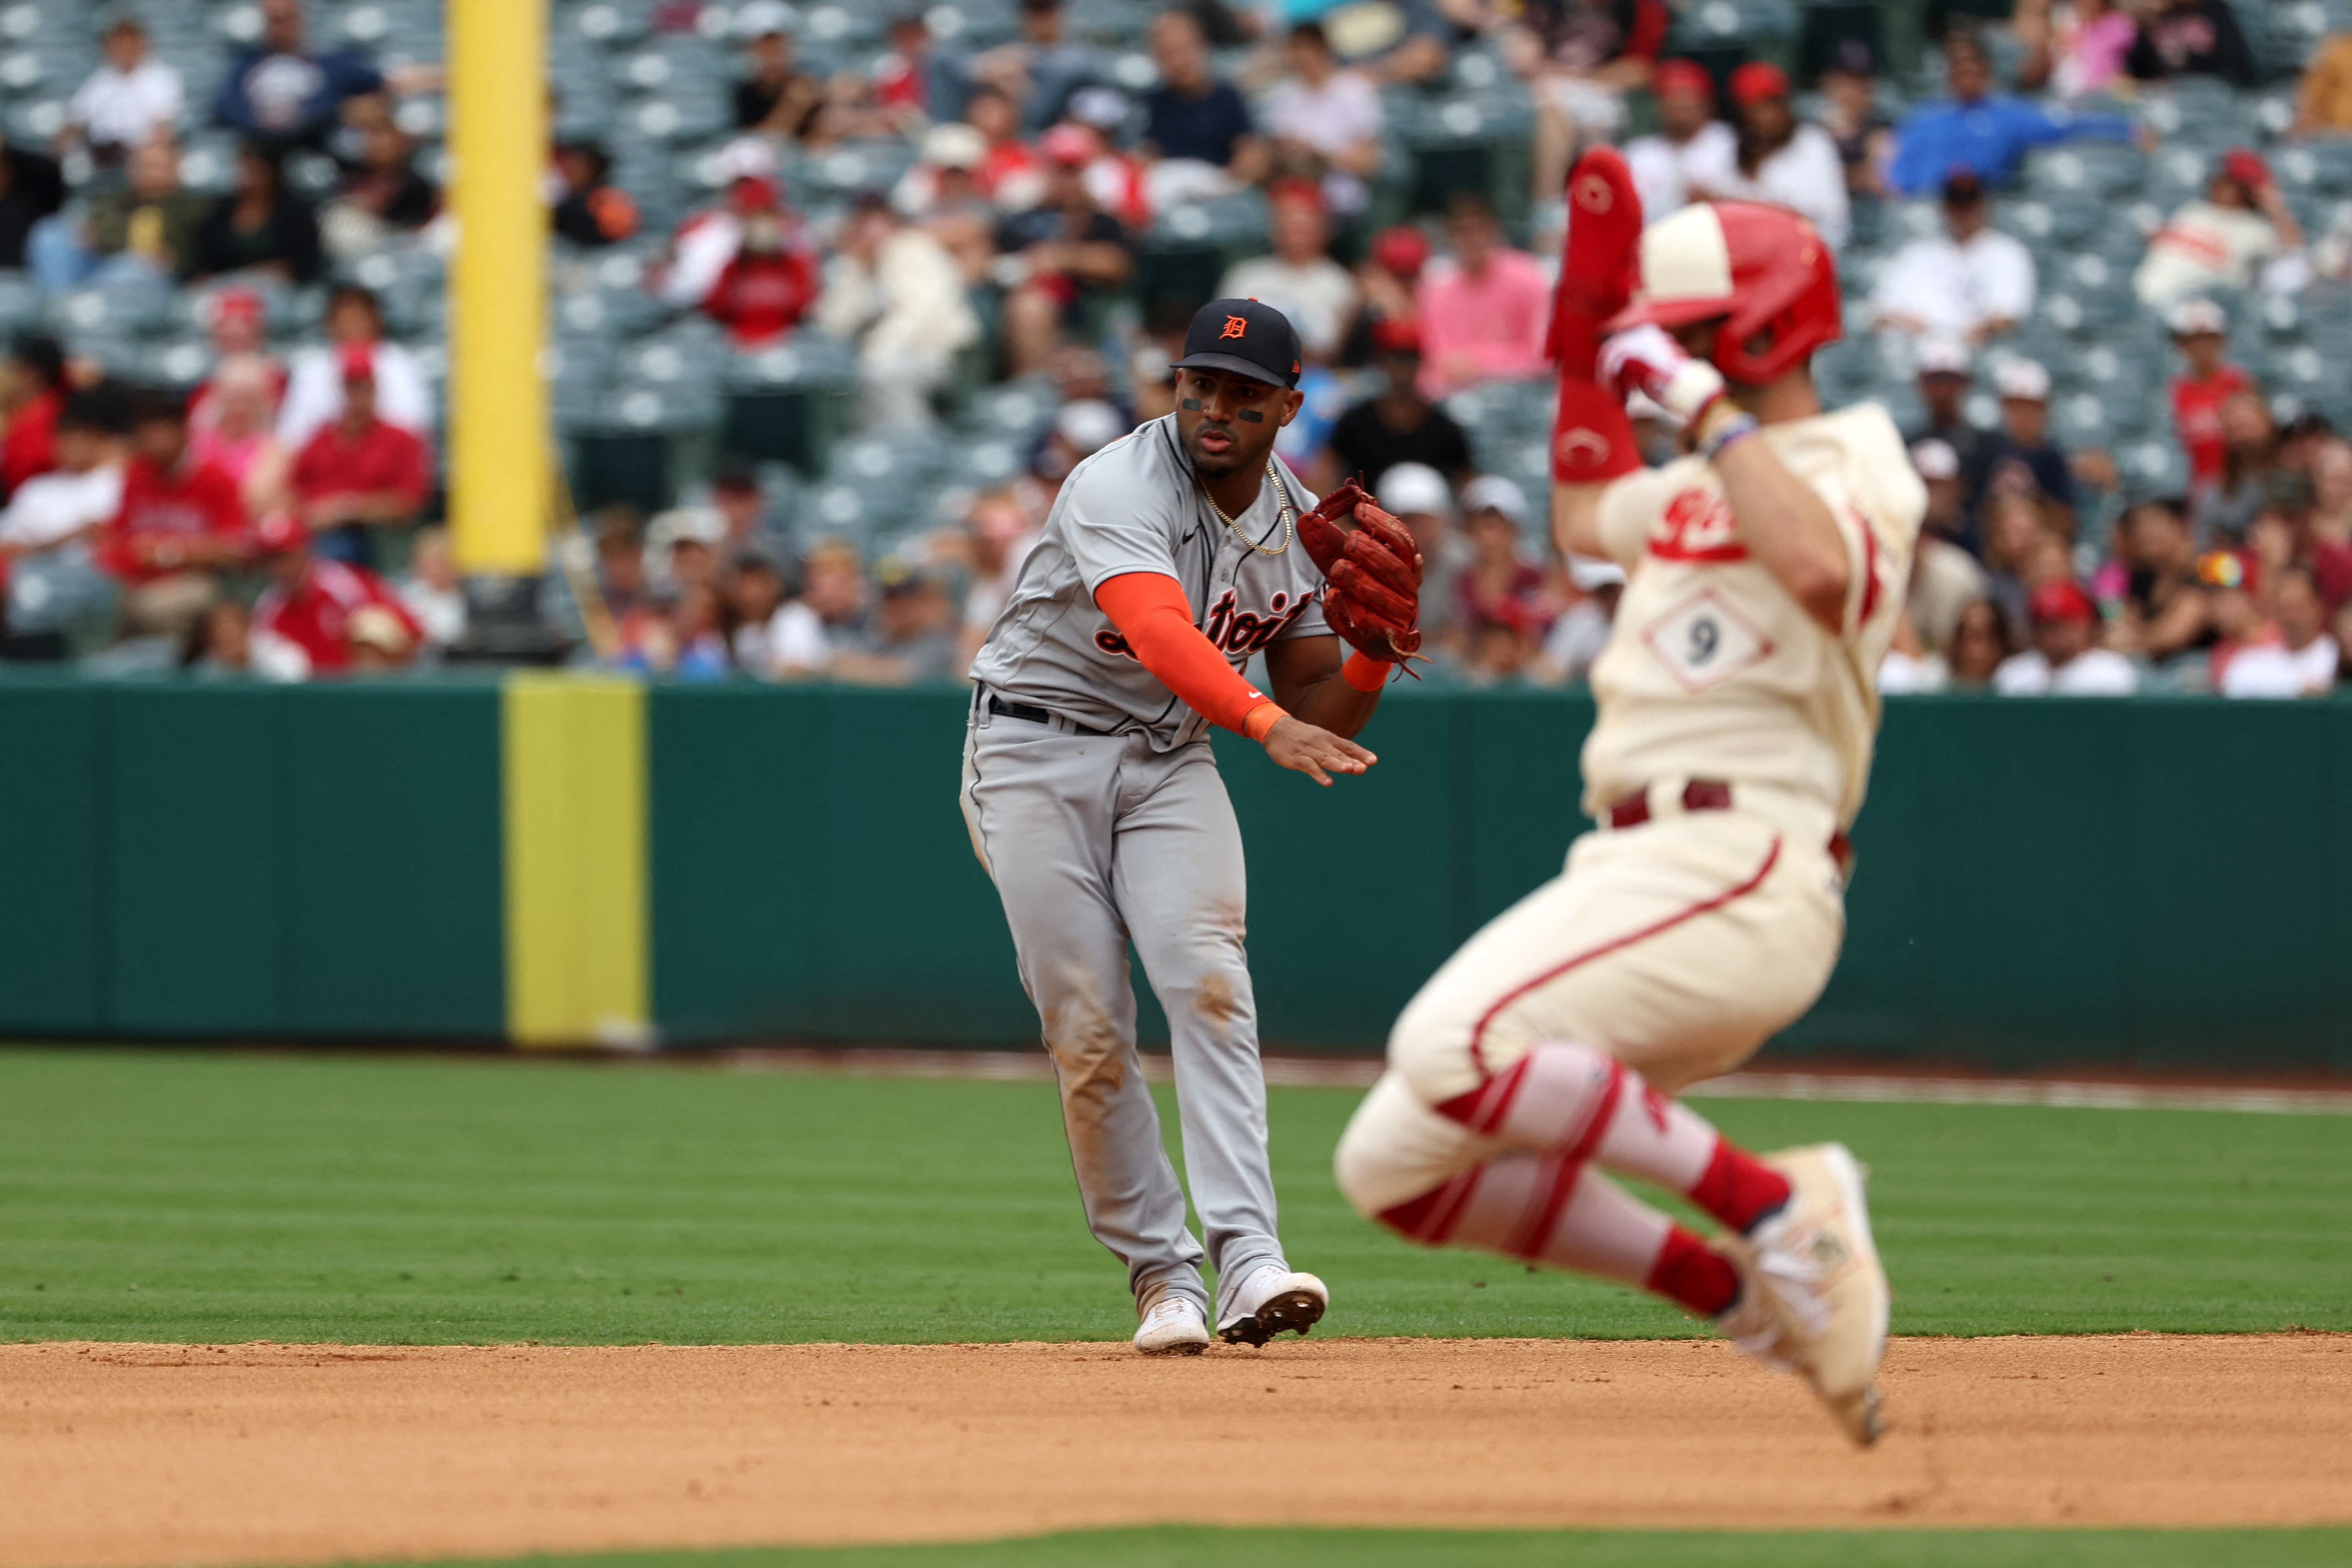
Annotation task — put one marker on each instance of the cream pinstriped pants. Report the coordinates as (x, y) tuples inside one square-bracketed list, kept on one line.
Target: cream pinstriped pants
[(1678, 947)]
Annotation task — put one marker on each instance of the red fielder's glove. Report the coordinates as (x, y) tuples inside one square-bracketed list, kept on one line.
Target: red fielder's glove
[(1374, 572), (1591, 438)]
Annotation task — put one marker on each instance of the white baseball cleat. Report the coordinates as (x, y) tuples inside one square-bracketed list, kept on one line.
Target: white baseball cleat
[(1813, 1297), (1273, 1301), (1176, 1326)]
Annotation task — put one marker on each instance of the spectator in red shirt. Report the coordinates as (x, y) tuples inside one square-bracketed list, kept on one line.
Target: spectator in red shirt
[(2198, 392), (767, 287), (181, 524), (322, 617), (33, 392), (358, 473)]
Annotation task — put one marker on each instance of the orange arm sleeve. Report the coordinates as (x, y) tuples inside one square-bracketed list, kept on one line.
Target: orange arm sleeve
[(1149, 611)]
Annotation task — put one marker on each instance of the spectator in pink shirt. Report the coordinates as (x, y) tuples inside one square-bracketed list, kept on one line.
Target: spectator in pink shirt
[(1483, 313)]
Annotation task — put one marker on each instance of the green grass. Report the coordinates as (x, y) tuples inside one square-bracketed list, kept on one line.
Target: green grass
[(1193, 1547), (203, 1195)]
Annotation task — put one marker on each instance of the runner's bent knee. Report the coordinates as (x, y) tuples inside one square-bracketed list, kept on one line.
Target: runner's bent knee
[(1396, 1149)]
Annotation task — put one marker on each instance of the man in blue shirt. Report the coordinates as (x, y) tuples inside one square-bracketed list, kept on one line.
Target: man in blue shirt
[(1199, 132), (281, 93), (1980, 132)]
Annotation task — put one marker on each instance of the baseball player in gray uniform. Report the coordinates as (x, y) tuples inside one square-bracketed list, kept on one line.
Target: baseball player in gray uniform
[(1095, 802)]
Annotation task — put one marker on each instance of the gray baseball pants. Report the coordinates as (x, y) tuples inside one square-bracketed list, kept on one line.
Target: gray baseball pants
[(1092, 840)]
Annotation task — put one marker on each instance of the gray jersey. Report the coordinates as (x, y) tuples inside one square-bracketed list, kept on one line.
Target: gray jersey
[(1135, 506)]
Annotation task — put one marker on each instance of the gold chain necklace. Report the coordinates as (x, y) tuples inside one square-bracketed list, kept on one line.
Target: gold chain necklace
[(1282, 495)]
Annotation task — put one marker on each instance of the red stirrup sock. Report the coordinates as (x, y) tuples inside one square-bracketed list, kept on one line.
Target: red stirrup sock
[(1738, 1188), (1587, 1105), (1693, 1275)]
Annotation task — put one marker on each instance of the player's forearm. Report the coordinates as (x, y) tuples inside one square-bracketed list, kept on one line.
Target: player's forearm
[(1576, 517), (1329, 701), (1150, 612), (1787, 528)]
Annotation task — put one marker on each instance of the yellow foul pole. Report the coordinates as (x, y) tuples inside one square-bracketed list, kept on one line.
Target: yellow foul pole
[(498, 433)]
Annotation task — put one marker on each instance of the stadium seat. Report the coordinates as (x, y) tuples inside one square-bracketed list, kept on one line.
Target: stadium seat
[(2084, 171)]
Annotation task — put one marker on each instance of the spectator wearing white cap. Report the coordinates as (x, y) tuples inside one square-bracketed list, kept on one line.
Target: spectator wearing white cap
[(2020, 456), (1945, 371), (1581, 630), (946, 153), (941, 191), (1081, 428), (1944, 578), (1971, 282), (2207, 381), (682, 547), (1499, 583), (1418, 496)]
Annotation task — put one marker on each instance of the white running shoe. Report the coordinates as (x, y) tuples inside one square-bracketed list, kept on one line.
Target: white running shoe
[(1813, 1299), (1273, 1301), (1176, 1326)]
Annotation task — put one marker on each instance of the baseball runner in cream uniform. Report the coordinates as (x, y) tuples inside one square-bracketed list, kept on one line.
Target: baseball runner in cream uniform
[(1170, 557), (1737, 715)]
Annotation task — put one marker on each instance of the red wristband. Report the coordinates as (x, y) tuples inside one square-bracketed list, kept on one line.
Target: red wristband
[(1364, 672), (1261, 719)]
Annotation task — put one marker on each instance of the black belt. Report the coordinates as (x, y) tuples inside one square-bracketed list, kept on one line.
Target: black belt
[(1036, 715)]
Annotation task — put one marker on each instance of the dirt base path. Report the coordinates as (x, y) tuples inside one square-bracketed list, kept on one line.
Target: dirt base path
[(143, 1455)]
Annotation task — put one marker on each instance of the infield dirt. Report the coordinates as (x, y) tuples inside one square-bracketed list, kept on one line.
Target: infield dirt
[(140, 1455)]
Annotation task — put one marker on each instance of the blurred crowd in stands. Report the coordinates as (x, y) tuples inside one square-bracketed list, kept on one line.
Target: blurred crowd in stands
[(2096, 262)]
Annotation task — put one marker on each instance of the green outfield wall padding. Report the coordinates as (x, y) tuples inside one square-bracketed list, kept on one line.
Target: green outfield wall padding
[(248, 861), (391, 836), (2154, 882), (1354, 890), (52, 951), (195, 887), (811, 873), (2151, 881)]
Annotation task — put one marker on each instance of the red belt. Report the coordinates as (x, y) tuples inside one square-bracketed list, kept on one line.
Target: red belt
[(1708, 795)]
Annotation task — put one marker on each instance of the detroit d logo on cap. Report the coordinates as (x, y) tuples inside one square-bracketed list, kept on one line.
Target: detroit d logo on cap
[(1236, 326)]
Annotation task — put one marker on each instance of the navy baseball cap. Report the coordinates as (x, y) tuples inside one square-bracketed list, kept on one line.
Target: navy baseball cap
[(1246, 338)]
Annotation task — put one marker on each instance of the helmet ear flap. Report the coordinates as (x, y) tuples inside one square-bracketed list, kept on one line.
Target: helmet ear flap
[(1746, 351), (1787, 295)]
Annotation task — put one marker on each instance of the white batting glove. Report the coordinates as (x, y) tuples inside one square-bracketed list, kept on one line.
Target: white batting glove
[(1647, 360)]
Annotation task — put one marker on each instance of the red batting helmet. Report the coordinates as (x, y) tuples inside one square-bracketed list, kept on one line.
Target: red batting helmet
[(1763, 269)]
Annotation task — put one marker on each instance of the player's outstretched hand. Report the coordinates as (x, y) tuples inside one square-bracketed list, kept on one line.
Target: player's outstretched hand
[(1317, 752)]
